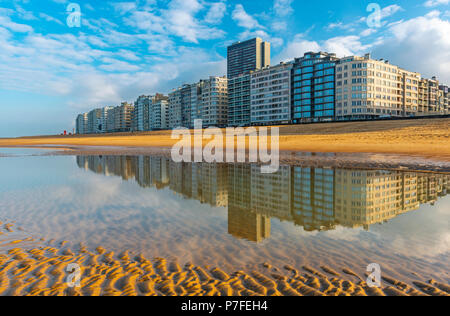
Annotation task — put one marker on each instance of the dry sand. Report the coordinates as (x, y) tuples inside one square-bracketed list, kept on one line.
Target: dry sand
[(40, 268), (428, 138)]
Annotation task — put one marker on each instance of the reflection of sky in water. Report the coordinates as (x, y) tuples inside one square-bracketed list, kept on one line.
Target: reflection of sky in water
[(21, 151), (52, 197)]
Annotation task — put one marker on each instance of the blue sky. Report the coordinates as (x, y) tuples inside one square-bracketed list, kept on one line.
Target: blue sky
[(49, 72)]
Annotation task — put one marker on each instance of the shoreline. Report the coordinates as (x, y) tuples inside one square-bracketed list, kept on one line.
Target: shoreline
[(363, 161), (40, 269), (424, 137)]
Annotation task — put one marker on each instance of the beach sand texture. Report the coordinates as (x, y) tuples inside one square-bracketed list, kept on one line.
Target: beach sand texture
[(39, 268), (424, 137)]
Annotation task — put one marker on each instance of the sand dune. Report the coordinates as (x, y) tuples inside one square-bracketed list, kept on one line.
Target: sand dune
[(43, 271)]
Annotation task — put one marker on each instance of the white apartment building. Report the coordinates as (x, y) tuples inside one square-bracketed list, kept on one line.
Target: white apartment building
[(368, 88), (175, 109), (81, 124), (270, 95), (159, 115), (141, 112), (214, 106), (106, 113)]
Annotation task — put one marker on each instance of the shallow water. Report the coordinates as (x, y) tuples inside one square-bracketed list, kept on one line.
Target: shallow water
[(233, 216)]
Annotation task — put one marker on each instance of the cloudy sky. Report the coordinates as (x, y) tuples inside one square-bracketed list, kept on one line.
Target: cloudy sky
[(49, 71)]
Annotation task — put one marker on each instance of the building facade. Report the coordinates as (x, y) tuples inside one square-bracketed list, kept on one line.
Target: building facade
[(214, 102), (180, 107), (444, 99), (123, 117), (81, 124), (368, 89), (239, 100), (250, 55), (159, 114), (270, 95), (141, 111), (313, 87)]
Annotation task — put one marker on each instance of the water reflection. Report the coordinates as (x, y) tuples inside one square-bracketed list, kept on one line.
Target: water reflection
[(316, 199)]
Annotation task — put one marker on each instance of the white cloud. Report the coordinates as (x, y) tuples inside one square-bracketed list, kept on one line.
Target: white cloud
[(49, 18), (216, 13), (243, 19), (6, 22), (421, 44), (433, 3), (340, 45), (390, 10), (179, 20), (283, 8)]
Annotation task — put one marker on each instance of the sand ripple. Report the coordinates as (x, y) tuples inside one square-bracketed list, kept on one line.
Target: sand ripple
[(43, 271)]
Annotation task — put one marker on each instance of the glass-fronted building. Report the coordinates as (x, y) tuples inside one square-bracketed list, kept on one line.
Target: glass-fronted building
[(313, 87), (239, 101)]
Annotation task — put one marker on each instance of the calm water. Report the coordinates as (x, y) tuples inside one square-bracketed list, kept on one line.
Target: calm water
[(233, 216)]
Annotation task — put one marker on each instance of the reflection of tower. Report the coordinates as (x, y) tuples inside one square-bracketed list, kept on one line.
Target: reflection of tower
[(180, 175), (313, 198), (242, 221), (239, 183), (187, 180), (82, 162), (176, 176), (245, 224), (271, 193), (210, 183), (159, 171), (143, 174)]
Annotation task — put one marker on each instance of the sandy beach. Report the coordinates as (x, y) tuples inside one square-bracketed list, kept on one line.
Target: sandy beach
[(427, 138), (39, 268)]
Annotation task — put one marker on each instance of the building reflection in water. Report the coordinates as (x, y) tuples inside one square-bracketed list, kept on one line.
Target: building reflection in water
[(316, 199)]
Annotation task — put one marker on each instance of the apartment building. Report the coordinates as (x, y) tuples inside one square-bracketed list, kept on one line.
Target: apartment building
[(433, 96), (107, 111), (94, 121), (214, 102), (410, 91), (313, 87), (444, 99), (181, 107), (423, 97), (159, 114), (243, 57), (123, 117), (239, 100), (270, 95), (368, 88), (111, 121), (81, 124), (141, 112)]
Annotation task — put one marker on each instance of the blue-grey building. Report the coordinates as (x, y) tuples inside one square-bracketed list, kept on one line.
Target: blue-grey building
[(313, 87)]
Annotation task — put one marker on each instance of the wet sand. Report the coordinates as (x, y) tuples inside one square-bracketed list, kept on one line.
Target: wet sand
[(39, 268), (428, 138)]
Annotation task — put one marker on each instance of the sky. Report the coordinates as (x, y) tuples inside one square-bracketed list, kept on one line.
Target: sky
[(52, 68)]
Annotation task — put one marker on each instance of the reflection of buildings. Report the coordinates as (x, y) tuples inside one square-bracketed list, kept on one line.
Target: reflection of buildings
[(315, 198), (271, 193), (246, 224)]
